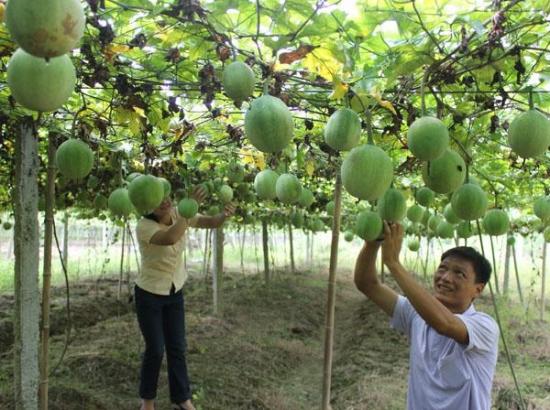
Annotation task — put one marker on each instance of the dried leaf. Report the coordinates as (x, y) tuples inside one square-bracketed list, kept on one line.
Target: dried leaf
[(298, 54)]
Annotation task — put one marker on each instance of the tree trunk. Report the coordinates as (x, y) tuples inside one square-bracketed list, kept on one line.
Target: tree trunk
[(506, 283), (331, 302), (517, 275), (217, 271), (291, 240), (47, 272), (543, 289), (26, 249), (266, 250)]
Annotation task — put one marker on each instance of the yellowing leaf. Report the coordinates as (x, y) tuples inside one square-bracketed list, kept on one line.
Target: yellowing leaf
[(310, 167), (134, 124), (340, 89), (322, 62), (204, 166), (383, 103), (255, 158), (113, 49), (140, 112)]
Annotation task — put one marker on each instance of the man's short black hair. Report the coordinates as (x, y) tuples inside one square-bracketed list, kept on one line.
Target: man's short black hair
[(481, 265)]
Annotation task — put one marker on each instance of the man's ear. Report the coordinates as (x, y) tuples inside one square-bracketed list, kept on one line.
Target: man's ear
[(479, 288)]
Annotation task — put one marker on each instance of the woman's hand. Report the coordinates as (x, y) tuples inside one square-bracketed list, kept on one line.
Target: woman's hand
[(228, 210), (391, 247), (199, 194)]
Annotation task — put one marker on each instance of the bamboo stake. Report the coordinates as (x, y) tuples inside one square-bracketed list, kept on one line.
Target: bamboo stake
[(121, 271), (517, 275), (291, 239), (543, 288), (266, 250)]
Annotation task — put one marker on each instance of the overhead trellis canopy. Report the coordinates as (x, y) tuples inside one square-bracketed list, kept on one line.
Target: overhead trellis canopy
[(149, 91)]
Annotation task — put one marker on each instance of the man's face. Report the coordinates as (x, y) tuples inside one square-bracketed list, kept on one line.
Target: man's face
[(455, 284)]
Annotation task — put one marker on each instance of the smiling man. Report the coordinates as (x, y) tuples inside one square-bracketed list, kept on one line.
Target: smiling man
[(453, 348)]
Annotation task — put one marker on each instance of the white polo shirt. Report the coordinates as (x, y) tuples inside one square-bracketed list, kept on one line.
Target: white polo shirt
[(444, 374)]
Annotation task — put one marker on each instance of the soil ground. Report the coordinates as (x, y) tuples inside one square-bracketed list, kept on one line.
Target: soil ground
[(264, 350)]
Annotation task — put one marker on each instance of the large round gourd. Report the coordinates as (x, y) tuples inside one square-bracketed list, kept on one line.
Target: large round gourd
[(464, 229), (541, 208), (413, 245), (225, 194), (38, 84), (188, 207), (343, 130), (529, 134), (367, 172), (445, 230), (119, 203), (414, 213), (392, 207), (469, 202), (238, 81), (446, 173), (146, 193), (268, 124), (424, 196), (496, 222), (428, 138), (450, 215), (368, 225), (288, 188), (74, 159), (46, 28), (264, 184), (306, 198)]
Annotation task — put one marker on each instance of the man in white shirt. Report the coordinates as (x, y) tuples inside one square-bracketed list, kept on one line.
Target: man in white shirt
[(453, 348)]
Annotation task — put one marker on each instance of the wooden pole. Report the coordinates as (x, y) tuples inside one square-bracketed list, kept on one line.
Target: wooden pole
[(266, 250), (331, 302), (291, 240), (543, 288), (47, 272), (121, 271), (27, 255), (495, 271), (506, 283), (517, 275), (217, 271), (66, 240)]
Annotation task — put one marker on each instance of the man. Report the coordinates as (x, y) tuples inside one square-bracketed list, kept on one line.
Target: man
[(453, 348)]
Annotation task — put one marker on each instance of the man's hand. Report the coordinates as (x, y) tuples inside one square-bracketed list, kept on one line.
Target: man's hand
[(391, 247), (228, 210), (199, 194)]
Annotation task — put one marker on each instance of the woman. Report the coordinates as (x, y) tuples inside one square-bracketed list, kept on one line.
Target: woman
[(159, 298)]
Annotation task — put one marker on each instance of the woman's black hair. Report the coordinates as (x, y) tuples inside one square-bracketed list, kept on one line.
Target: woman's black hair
[(151, 216), (481, 265)]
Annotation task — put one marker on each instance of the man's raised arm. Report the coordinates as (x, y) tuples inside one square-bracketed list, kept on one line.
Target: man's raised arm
[(366, 279)]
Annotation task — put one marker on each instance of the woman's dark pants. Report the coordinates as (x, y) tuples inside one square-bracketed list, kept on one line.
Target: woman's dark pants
[(162, 323)]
